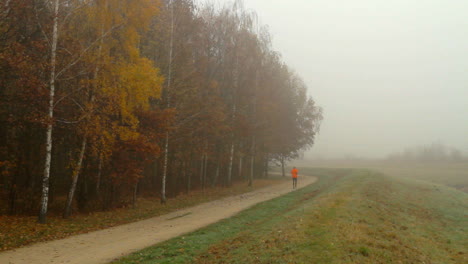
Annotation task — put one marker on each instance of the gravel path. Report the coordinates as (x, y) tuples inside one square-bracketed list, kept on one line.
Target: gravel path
[(105, 245)]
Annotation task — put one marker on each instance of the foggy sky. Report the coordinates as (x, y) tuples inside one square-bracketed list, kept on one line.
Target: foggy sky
[(389, 74)]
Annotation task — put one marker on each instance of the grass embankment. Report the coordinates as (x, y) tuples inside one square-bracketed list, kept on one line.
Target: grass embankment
[(349, 216), (16, 231)]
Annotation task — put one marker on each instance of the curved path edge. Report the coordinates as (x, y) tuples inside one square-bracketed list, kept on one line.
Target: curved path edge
[(106, 245)]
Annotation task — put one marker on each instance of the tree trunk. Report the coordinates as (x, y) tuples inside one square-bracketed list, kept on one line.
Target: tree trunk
[(164, 176), (184, 175), (154, 176), (189, 176), (169, 77), (252, 161), (202, 163), (231, 159), (110, 203), (265, 168), (48, 156), (252, 147), (205, 171), (76, 174), (216, 177), (13, 195), (234, 110), (99, 173), (85, 194), (240, 167), (135, 190), (93, 96), (282, 166)]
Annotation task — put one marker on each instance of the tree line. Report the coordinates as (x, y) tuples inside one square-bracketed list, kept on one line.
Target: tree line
[(429, 153), (105, 100)]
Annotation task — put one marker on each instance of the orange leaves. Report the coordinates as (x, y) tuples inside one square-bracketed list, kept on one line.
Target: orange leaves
[(153, 123), (130, 157)]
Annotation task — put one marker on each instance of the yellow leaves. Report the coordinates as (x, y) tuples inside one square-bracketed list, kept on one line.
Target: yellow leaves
[(140, 82), (125, 81), (126, 133), (136, 83), (125, 89)]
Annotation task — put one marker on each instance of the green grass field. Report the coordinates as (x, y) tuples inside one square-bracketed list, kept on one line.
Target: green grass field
[(349, 216)]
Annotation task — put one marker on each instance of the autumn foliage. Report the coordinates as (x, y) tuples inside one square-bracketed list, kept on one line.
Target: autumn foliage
[(148, 97)]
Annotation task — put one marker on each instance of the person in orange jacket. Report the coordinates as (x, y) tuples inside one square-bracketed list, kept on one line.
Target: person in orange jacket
[(294, 173)]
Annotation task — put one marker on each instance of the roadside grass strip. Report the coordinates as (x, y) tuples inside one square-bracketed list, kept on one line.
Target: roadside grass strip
[(348, 216)]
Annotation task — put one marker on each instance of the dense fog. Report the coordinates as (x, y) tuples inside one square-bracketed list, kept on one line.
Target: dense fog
[(389, 75)]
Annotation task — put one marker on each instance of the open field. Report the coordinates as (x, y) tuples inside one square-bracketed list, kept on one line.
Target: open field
[(349, 216), (453, 174)]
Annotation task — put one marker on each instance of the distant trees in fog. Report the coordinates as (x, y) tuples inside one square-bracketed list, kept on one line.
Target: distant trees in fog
[(432, 152)]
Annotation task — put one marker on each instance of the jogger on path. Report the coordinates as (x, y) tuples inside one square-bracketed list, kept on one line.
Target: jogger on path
[(294, 173)]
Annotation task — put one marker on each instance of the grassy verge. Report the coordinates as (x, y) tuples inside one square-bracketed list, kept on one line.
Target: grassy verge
[(16, 231), (349, 216)]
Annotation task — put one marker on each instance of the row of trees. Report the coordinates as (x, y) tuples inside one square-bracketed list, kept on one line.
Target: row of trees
[(103, 100), (429, 153)]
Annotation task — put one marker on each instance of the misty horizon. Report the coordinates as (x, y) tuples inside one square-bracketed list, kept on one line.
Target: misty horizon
[(388, 75)]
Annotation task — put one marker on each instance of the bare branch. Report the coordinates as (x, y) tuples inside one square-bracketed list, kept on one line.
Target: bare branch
[(40, 26), (71, 122), (66, 96), (79, 57), (78, 104)]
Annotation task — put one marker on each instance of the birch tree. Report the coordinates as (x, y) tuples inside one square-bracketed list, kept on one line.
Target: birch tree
[(50, 114)]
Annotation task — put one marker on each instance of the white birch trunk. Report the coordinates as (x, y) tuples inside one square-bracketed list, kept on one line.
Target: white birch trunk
[(231, 159), (252, 147), (76, 174), (166, 145), (234, 109), (93, 97), (48, 157), (6, 7)]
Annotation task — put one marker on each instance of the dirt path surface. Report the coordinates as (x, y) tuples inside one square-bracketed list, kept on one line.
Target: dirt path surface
[(105, 245)]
